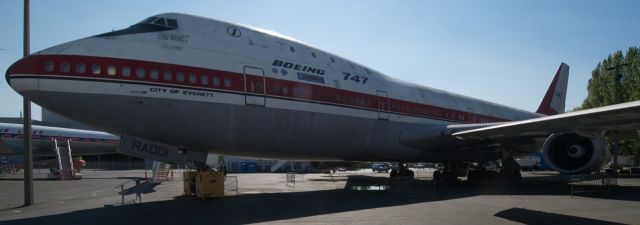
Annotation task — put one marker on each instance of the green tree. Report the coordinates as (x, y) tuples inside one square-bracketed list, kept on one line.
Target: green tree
[(616, 80)]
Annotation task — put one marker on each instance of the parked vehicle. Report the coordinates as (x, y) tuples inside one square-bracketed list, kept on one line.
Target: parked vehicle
[(380, 167)]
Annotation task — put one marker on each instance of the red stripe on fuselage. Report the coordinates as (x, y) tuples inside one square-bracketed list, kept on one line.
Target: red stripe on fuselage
[(281, 88)]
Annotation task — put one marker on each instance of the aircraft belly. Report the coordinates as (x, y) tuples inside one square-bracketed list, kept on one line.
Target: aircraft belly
[(223, 124)]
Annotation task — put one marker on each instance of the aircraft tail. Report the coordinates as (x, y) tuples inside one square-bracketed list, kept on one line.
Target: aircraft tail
[(554, 100)]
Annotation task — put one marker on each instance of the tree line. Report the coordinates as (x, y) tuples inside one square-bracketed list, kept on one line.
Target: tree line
[(616, 80)]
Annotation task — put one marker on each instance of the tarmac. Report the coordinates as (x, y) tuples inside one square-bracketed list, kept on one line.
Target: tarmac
[(351, 197)]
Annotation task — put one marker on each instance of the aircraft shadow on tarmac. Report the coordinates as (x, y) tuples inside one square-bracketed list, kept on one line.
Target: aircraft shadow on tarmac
[(266, 207), (527, 216)]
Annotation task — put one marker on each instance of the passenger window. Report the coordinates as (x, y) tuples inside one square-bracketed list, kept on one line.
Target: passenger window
[(96, 69), (65, 67), (111, 70), (153, 74), (192, 78), (216, 81), (180, 76), (227, 82), (204, 79), (126, 71), (140, 73), (49, 66), (313, 54), (167, 76), (292, 49), (80, 68)]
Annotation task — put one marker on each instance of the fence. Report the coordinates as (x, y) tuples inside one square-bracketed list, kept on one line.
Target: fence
[(118, 165), (588, 183), (132, 188), (6, 168), (230, 185), (291, 179)]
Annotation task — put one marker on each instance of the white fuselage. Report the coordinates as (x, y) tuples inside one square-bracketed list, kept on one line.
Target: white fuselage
[(83, 142), (236, 90)]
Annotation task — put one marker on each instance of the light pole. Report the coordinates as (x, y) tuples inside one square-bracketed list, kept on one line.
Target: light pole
[(26, 104), (618, 100), (618, 75)]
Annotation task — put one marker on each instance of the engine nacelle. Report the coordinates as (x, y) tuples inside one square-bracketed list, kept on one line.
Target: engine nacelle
[(572, 153)]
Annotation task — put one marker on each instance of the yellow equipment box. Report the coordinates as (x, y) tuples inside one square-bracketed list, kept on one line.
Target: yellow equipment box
[(204, 184)]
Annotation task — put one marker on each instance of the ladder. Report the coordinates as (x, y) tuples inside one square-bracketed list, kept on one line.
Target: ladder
[(160, 172), (278, 164), (64, 160)]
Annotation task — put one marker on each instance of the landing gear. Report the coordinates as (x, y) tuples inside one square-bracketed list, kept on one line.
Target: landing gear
[(449, 173), (401, 172), (511, 170)]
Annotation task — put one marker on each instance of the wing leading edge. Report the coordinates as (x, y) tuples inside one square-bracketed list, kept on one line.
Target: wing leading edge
[(610, 120)]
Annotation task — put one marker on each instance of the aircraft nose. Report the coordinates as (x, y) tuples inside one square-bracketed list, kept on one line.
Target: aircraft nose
[(22, 76)]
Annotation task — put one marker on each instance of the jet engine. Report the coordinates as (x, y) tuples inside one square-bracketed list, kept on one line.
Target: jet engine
[(571, 153)]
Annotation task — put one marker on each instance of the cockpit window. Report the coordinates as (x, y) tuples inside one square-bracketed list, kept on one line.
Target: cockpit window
[(151, 24), (160, 21), (149, 20), (172, 23)]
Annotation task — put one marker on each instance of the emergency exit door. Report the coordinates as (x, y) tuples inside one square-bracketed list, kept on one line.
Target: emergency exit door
[(383, 105), (254, 86)]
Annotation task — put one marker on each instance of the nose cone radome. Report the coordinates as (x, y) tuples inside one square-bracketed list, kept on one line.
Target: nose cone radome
[(22, 76)]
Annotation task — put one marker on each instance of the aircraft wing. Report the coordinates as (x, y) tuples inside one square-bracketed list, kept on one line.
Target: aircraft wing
[(618, 121)]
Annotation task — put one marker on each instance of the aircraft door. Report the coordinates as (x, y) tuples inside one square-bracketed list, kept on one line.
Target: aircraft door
[(254, 86), (383, 105)]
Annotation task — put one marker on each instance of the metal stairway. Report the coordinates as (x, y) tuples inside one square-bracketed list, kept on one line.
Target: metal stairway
[(160, 172), (278, 164), (64, 160)]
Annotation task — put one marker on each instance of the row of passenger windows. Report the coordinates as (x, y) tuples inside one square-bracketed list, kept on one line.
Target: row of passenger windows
[(316, 94), (140, 73)]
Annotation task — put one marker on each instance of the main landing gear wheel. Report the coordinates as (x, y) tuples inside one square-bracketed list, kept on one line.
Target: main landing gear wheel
[(450, 173), (401, 172), (511, 170)]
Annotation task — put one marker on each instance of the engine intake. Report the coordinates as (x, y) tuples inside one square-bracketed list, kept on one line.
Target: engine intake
[(572, 153)]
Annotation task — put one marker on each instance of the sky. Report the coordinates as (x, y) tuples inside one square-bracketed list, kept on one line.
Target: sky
[(501, 51)]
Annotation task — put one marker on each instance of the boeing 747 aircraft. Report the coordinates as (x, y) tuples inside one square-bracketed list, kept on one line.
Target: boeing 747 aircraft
[(177, 86)]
